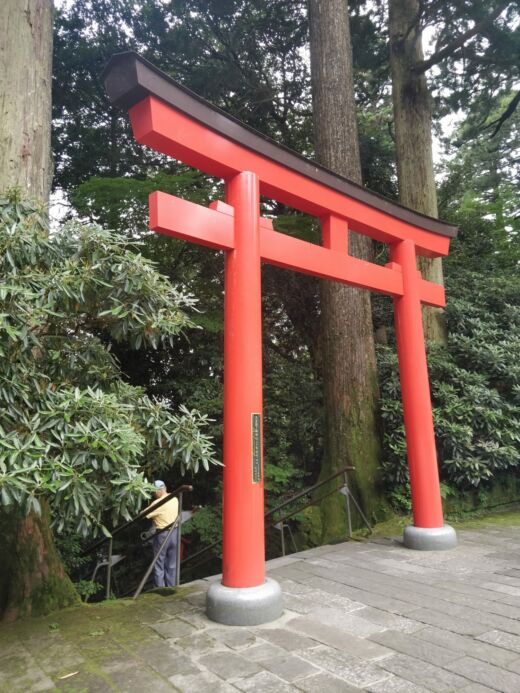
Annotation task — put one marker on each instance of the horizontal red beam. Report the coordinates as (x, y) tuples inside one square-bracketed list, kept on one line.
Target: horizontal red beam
[(213, 227), (165, 129)]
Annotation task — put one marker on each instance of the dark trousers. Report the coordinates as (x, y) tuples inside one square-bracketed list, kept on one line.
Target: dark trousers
[(164, 571)]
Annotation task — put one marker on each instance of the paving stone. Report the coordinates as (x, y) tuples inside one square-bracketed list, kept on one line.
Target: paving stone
[(486, 674), (292, 602), (197, 644), (431, 677), (198, 599), (229, 665), (450, 623), (315, 596), (135, 679), (204, 681), (59, 659), (174, 628), (82, 682), (465, 645), (390, 620), (264, 682), (325, 683), (339, 639), (289, 667), (514, 666), (235, 638), (352, 623), (501, 639), (382, 601), (166, 661), (150, 615), (263, 651), (503, 589), (287, 639), (412, 646), (395, 684), (355, 671), (20, 672), (172, 607), (196, 618), (99, 648)]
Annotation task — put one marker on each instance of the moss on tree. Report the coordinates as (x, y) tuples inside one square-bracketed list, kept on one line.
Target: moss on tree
[(32, 581)]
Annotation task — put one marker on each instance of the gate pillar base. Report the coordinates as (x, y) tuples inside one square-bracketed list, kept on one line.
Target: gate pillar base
[(244, 606), (430, 538)]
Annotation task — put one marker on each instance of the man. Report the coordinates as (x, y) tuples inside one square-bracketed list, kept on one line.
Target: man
[(164, 571)]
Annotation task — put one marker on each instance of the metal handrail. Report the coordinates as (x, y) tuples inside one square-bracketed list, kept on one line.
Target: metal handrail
[(182, 489), (294, 498), (178, 492), (308, 490)]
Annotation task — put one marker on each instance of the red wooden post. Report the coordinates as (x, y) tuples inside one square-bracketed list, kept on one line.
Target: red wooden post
[(243, 540), (428, 530)]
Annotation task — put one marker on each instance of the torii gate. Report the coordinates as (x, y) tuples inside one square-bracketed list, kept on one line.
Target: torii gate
[(173, 120)]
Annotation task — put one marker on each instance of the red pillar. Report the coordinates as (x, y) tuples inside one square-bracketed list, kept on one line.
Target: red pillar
[(243, 537), (418, 418)]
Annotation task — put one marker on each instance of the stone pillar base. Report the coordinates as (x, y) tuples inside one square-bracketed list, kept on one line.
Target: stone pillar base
[(430, 538), (244, 606)]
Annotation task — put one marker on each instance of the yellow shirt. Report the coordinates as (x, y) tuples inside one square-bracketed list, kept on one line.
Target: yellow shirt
[(165, 515)]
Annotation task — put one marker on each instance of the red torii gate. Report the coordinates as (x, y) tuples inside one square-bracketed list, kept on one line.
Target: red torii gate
[(170, 119)]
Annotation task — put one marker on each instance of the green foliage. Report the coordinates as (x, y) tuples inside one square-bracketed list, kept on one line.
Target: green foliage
[(207, 524), (475, 387), (122, 203), (87, 588), (71, 429)]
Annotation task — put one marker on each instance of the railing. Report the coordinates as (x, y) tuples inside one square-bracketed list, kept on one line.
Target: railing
[(280, 523), (176, 525)]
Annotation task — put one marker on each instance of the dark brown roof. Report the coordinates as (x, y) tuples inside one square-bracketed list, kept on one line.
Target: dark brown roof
[(129, 78)]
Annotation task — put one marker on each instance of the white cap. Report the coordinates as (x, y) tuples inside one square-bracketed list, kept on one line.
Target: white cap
[(159, 484)]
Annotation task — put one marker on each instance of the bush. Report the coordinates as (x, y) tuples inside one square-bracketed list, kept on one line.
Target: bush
[(475, 387)]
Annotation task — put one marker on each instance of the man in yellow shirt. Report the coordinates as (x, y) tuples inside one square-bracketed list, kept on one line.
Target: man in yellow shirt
[(164, 572)]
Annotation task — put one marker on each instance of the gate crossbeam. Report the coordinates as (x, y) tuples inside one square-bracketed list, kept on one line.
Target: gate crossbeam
[(213, 227)]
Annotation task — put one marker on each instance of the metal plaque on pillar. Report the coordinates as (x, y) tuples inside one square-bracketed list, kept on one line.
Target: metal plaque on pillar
[(256, 447)]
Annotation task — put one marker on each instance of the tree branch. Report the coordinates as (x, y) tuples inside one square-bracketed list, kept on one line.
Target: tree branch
[(498, 122), (448, 50)]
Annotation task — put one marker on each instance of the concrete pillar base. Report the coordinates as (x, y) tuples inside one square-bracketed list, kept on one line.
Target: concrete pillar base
[(430, 538), (244, 606)]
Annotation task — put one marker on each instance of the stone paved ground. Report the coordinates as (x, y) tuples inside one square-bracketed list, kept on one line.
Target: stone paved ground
[(358, 616)]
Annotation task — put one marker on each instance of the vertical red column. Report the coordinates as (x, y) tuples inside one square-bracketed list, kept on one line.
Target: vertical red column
[(418, 418), (243, 538)]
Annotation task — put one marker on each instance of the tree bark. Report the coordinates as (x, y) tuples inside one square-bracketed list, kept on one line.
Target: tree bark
[(25, 96), (347, 341), (413, 138), (32, 579)]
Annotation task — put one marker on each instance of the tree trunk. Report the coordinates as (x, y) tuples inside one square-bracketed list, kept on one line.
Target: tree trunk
[(347, 353), (32, 580), (25, 96), (413, 137)]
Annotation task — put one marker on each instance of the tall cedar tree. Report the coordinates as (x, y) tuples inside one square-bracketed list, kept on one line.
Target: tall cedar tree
[(413, 117), (25, 162), (348, 353)]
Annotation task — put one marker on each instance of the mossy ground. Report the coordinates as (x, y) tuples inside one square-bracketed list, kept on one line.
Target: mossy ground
[(78, 648), (507, 515)]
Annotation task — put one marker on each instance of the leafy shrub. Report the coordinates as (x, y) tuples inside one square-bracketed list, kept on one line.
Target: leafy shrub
[(72, 431), (475, 387)]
